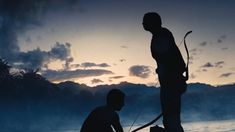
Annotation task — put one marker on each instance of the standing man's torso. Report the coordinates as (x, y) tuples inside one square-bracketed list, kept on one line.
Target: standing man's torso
[(167, 55)]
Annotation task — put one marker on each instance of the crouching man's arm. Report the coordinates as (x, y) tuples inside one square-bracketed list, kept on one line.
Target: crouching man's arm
[(116, 124)]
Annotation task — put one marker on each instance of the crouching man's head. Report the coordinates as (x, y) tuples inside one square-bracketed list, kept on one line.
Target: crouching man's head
[(115, 99)]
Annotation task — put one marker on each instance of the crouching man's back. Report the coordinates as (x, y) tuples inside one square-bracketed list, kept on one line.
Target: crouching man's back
[(104, 118)]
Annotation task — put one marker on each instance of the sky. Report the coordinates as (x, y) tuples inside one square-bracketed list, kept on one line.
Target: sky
[(98, 42)]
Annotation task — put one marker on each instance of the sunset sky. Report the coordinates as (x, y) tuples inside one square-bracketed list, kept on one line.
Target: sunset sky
[(102, 41)]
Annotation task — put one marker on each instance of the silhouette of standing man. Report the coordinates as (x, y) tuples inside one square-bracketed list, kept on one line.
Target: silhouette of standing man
[(104, 118), (170, 69)]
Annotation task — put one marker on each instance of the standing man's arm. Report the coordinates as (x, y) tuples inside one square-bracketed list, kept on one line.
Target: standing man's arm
[(116, 124)]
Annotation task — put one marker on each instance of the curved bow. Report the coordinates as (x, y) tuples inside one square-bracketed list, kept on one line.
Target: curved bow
[(148, 124), (187, 72)]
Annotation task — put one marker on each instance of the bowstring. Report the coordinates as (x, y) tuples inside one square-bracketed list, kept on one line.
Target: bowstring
[(138, 115)]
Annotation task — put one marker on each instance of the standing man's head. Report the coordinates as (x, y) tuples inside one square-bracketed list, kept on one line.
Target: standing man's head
[(115, 99), (152, 22)]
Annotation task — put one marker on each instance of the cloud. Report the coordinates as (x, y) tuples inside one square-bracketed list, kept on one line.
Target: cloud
[(60, 75), (203, 43), (38, 59), (91, 64), (122, 60), (224, 48), (18, 16), (207, 65), (221, 39), (155, 84), (123, 46), (193, 50), (95, 81), (139, 71), (116, 77), (224, 75), (219, 64), (28, 40), (67, 62), (192, 76), (191, 58), (74, 65)]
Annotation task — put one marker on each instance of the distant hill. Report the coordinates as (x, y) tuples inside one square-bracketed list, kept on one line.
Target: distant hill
[(200, 102), (30, 100)]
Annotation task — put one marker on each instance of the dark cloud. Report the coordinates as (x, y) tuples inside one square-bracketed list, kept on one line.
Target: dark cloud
[(124, 47), (207, 65), (224, 48), (203, 43), (38, 59), (103, 65), (91, 64), (192, 76), (226, 74), (193, 53), (221, 38), (28, 40), (219, 41), (95, 81), (140, 71), (122, 60), (60, 75), (18, 16), (193, 50), (116, 77), (219, 64), (191, 58), (67, 62), (74, 65)]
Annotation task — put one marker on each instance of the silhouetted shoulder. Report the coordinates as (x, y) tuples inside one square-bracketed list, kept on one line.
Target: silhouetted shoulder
[(105, 113), (100, 119), (166, 32)]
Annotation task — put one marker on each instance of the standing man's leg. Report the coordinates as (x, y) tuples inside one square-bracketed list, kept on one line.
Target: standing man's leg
[(171, 103)]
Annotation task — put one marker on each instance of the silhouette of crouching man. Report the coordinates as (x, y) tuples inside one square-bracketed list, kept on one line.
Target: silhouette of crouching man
[(105, 118)]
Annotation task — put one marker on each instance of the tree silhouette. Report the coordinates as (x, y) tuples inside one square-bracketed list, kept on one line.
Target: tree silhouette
[(30, 74), (4, 69)]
